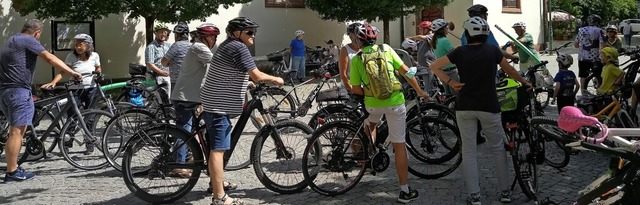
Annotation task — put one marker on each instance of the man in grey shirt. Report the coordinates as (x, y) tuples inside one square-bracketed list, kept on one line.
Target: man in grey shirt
[(175, 56)]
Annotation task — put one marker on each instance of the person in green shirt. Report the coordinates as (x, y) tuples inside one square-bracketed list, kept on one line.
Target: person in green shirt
[(527, 40), (393, 107), (612, 38), (442, 46), (611, 74)]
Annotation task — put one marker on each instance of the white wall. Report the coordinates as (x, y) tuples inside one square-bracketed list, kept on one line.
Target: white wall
[(531, 15)]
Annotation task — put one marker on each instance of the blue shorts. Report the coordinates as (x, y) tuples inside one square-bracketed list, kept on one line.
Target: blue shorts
[(218, 131), (17, 106)]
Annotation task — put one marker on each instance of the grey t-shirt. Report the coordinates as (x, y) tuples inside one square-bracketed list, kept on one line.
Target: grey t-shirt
[(191, 77), (18, 61), (176, 55), (426, 55)]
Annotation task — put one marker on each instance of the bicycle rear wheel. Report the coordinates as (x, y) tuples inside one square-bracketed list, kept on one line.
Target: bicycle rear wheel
[(80, 149), (148, 163), (341, 161), (433, 158), (278, 166), (119, 130), (555, 153)]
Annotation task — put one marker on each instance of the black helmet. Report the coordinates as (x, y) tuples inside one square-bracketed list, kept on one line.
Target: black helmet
[(352, 28), (181, 28), (240, 23), (477, 10), (594, 19)]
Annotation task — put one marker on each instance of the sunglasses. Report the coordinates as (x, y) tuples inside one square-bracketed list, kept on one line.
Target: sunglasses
[(250, 33)]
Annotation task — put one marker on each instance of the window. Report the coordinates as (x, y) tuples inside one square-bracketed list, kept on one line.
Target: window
[(511, 6)]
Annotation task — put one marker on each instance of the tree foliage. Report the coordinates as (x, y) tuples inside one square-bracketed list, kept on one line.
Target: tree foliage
[(385, 10), (151, 10), (621, 9)]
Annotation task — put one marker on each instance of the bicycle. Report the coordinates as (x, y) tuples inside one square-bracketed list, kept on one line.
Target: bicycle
[(621, 184), (346, 147), (163, 162)]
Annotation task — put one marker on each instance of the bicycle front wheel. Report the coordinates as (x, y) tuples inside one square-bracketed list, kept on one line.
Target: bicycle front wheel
[(277, 163), (148, 164), (433, 159), (555, 153), (119, 130), (78, 147)]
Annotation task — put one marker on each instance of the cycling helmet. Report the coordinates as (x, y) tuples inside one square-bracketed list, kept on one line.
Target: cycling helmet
[(239, 24), (425, 24), (594, 19), (519, 24), (367, 33), (438, 24), (477, 10), (299, 32), (181, 28), (84, 37), (208, 29), (161, 27), (565, 60), (611, 53), (612, 28), (352, 28), (409, 44), (476, 26)]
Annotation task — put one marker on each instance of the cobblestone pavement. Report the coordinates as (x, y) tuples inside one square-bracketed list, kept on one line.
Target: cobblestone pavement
[(59, 183)]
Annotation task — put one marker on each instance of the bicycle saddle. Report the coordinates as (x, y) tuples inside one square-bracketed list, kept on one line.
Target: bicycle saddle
[(571, 119), (152, 88), (287, 72)]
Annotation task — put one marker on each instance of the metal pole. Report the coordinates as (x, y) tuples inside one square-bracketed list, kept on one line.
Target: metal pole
[(550, 26)]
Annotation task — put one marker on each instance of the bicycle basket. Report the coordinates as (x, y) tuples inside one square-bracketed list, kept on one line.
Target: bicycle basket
[(508, 94), (274, 57), (137, 69)]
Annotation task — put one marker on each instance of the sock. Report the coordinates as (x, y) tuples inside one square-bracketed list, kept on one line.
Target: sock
[(404, 188)]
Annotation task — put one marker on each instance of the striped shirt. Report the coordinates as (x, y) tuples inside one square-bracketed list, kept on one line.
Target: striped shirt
[(227, 79), (154, 53), (176, 55)]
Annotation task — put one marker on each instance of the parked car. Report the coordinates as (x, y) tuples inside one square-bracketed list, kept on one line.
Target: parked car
[(635, 25)]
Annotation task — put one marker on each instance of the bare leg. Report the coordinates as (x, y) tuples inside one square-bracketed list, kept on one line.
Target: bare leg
[(216, 173), (402, 162), (14, 144)]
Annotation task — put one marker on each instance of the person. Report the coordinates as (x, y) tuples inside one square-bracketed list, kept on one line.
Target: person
[(297, 50), (627, 31), (612, 38), (17, 65), (334, 51), (477, 101), (442, 46), (590, 40), (346, 53), (176, 53), (611, 74), (393, 108), (155, 52), (425, 54), (527, 40), (613, 21), (222, 95), (186, 92), (566, 83), (481, 11)]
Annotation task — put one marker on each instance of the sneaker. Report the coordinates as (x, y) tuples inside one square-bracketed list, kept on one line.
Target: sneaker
[(90, 148), (408, 197), (505, 196), (474, 199), (18, 176)]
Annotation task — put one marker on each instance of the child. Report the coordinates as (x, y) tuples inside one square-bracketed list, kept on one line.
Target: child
[(611, 74), (566, 83)]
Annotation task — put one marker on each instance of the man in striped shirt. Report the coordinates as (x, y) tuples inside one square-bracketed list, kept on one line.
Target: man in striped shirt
[(222, 95)]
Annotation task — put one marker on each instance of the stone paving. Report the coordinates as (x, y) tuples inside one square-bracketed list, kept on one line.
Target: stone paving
[(59, 183)]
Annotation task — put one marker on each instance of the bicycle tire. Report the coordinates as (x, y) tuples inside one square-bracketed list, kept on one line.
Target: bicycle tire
[(136, 142), (116, 123), (358, 161), (527, 179), (239, 159), (625, 120), (291, 104), (552, 136), (424, 159), (55, 136), (256, 153), (329, 113), (593, 83), (71, 126)]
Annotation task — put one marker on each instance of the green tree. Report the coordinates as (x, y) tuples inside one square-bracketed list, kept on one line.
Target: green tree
[(621, 9), (151, 10), (384, 10)]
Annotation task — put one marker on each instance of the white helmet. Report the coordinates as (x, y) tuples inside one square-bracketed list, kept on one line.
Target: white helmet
[(565, 59), (299, 32), (519, 24), (438, 24), (476, 26), (408, 43)]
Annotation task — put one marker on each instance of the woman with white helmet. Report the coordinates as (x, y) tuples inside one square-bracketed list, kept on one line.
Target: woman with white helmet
[(297, 49), (477, 101), (566, 83), (442, 46)]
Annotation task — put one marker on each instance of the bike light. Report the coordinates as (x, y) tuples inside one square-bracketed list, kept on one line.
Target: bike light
[(327, 75), (244, 106), (321, 121)]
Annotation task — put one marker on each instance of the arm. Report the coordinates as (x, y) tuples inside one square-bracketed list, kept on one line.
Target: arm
[(418, 37), (556, 89), (412, 81), (53, 82), (257, 75), (436, 67), (343, 64), (149, 56), (576, 87), (57, 63), (164, 61)]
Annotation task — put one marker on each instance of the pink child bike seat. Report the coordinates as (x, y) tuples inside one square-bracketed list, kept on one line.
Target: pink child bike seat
[(571, 120)]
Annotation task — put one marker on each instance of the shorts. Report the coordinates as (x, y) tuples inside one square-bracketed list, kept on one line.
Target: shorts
[(586, 67), (17, 106), (218, 131), (395, 116)]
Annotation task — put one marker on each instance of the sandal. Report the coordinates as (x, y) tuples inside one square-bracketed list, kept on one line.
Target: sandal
[(225, 199), (182, 173), (226, 185)]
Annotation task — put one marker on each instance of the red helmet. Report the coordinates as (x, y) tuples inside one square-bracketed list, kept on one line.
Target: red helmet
[(208, 29), (367, 32), (425, 24)]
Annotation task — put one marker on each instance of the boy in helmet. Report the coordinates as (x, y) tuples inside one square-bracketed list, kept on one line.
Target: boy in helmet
[(155, 52), (566, 83), (477, 101), (393, 108)]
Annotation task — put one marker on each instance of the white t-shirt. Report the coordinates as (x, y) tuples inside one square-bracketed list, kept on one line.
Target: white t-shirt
[(83, 67)]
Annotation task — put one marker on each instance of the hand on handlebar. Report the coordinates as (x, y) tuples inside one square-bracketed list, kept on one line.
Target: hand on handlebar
[(76, 75), (424, 95), (456, 85), (48, 86), (278, 81)]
